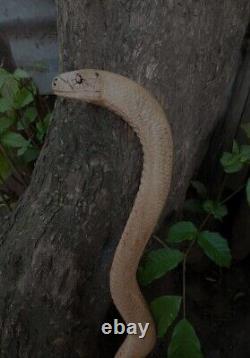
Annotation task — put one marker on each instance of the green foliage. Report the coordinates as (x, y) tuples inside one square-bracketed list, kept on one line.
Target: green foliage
[(157, 263), (42, 127), (28, 155), (5, 169), (19, 124), (183, 230), (165, 310), (184, 342), (23, 122), (215, 247), (5, 105), (13, 140), (233, 162), (212, 243), (215, 208), (4, 76), (6, 123), (22, 98), (196, 205), (20, 74)]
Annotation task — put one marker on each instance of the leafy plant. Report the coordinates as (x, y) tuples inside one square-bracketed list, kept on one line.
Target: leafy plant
[(235, 161), (166, 309), (215, 208), (24, 120), (157, 263), (185, 342)]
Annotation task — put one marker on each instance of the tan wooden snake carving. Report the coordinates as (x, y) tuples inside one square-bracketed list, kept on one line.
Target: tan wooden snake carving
[(143, 113)]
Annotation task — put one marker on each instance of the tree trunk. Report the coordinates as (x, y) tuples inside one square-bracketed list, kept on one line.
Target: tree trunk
[(57, 248)]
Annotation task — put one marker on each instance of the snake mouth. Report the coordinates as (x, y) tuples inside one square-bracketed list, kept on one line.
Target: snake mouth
[(60, 92), (63, 93)]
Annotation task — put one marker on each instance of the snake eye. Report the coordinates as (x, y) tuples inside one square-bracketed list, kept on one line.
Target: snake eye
[(79, 78), (55, 82)]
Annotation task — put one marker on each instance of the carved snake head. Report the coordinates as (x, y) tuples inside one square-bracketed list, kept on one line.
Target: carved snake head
[(82, 84)]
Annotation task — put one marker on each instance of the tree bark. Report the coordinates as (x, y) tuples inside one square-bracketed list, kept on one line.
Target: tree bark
[(57, 249)]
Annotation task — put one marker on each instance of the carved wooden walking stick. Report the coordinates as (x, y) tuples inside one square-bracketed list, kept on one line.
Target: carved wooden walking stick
[(144, 114)]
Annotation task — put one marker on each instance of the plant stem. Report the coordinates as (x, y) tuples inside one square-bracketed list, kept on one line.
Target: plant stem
[(160, 241), (204, 222), (184, 264), (28, 133), (233, 194), (184, 269)]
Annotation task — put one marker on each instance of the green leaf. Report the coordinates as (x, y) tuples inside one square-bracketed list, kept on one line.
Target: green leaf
[(41, 131), (157, 263), (6, 123), (3, 72), (32, 88), (245, 153), (13, 140), (4, 75), (184, 342), (42, 127), (21, 151), (10, 88), (200, 188), (21, 125), (28, 117), (47, 120), (215, 208), (165, 310), (5, 169), (234, 162), (236, 148), (231, 162), (5, 104), (246, 128), (30, 154), (20, 74), (248, 191), (39, 127), (23, 98), (215, 247), (30, 114), (194, 206), (183, 230)]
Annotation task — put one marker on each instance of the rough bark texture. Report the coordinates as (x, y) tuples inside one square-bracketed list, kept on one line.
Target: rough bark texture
[(57, 249)]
